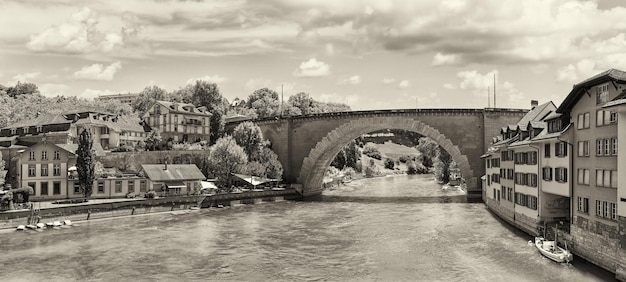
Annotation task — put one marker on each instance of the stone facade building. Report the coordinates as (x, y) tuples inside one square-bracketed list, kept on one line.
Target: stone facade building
[(179, 122)]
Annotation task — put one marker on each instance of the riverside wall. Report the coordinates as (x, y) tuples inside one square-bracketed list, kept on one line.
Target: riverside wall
[(600, 244)]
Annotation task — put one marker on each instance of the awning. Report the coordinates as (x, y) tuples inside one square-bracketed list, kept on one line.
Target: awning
[(208, 185), (253, 180), (175, 185)]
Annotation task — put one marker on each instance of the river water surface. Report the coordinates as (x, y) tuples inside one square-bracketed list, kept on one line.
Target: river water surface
[(403, 228)]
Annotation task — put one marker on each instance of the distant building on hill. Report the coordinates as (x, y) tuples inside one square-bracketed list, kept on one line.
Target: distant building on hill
[(127, 98), (179, 122)]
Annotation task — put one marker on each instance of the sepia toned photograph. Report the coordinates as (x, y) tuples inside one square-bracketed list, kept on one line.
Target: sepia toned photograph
[(312, 140)]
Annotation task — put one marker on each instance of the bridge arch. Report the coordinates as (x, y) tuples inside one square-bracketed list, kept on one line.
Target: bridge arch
[(315, 164)]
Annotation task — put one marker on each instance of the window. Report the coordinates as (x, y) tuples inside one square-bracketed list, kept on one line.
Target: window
[(606, 178), (532, 202), (583, 176), (560, 149), (583, 148), (44, 169), (602, 94), (56, 169), (546, 150), (31, 170), (118, 186), (583, 205), (76, 188), (142, 186), (56, 188), (33, 185), (547, 173), (31, 156), (44, 188), (131, 186), (613, 208), (44, 155), (509, 192), (532, 180), (583, 121), (100, 186), (532, 158), (598, 208), (605, 118), (606, 209), (560, 174), (613, 117), (606, 146), (613, 146), (57, 155)]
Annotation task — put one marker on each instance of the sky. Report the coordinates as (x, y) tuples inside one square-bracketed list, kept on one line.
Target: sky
[(369, 54)]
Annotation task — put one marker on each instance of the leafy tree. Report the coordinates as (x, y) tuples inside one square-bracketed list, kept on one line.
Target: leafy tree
[(353, 154), (208, 95), (85, 162), (269, 159), (147, 97), (264, 102), (340, 160), (250, 137), (25, 88), (442, 165), (153, 140), (428, 149), (371, 151), (389, 163), (225, 158), (182, 95), (303, 102)]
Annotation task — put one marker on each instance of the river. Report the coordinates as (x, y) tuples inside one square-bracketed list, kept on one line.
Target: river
[(403, 228)]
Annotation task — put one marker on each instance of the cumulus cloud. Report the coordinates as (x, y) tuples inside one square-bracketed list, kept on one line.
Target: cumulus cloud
[(54, 89), (477, 84), (98, 71), (443, 59), (208, 78), (389, 80), (93, 93), (353, 80), (403, 84), (257, 83), (84, 32), (312, 68), (26, 77), (338, 98)]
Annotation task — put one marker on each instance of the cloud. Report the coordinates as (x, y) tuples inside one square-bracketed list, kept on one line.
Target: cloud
[(442, 59), (389, 80), (330, 49), (208, 78), (93, 93), (26, 77), (403, 84), (353, 80), (257, 83), (86, 32), (54, 89), (312, 68), (477, 84), (98, 71), (449, 86), (338, 98)]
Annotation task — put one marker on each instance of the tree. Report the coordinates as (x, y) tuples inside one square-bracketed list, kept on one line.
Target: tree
[(340, 160), (147, 97), (225, 158), (273, 167), (85, 162), (442, 165), (208, 95), (371, 151), (153, 140), (353, 154), (264, 102), (25, 88), (301, 101), (250, 137), (428, 149), (389, 163)]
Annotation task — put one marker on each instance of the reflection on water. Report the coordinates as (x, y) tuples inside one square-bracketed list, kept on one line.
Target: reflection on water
[(374, 235)]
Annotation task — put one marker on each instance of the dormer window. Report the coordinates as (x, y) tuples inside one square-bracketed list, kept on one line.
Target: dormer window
[(602, 94), (25, 129), (13, 131)]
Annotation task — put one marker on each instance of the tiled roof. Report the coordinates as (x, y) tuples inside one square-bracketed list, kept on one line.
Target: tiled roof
[(174, 172), (581, 88), (40, 120), (195, 110)]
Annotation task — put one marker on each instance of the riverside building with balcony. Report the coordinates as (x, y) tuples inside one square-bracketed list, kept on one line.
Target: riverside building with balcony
[(179, 122)]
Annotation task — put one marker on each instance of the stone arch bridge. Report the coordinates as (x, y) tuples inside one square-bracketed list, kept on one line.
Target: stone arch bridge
[(307, 144)]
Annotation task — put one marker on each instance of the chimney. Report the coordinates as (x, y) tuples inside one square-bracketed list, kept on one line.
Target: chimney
[(533, 104)]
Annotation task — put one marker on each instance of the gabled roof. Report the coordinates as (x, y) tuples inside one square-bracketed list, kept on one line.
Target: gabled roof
[(191, 109), (174, 172), (582, 87), (533, 115), (40, 120)]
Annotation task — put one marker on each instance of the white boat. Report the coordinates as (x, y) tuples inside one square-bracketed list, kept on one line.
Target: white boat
[(49, 224), (21, 227), (40, 225), (30, 226), (67, 222), (57, 223), (550, 250)]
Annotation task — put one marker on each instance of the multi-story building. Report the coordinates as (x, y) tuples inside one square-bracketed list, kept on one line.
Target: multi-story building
[(513, 169), (127, 98), (179, 122), (595, 191)]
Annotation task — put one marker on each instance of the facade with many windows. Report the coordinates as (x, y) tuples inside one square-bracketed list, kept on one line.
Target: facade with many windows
[(179, 122)]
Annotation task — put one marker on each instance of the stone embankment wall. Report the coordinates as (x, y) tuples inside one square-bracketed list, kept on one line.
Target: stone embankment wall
[(520, 221)]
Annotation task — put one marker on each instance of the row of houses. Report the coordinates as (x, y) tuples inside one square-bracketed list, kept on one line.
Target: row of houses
[(559, 166), (40, 152)]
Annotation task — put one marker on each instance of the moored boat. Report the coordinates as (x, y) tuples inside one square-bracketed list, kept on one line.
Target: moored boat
[(552, 251), (40, 225), (21, 227)]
